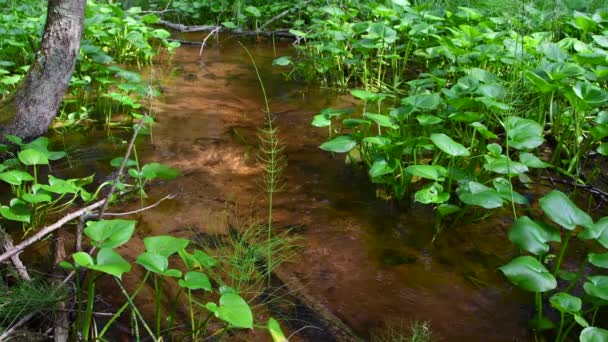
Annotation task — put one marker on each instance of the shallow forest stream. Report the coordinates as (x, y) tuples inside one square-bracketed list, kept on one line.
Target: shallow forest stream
[(370, 263)]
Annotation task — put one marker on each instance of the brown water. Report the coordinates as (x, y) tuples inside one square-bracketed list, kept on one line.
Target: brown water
[(368, 261)]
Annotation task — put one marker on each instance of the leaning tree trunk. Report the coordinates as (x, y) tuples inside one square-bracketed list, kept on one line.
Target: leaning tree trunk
[(36, 102)]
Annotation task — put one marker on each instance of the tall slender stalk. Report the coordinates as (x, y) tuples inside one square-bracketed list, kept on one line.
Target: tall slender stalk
[(271, 158)]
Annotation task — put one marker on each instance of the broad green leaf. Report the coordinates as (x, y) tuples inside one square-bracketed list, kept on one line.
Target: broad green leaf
[(354, 122), (380, 167), (598, 231), (488, 199), (32, 157), (434, 172), (449, 146), (523, 133), (83, 259), (157, 170), (597, 286), (598, 260), (601, 40), (195, 281), (483, 130), (18, 211), (165, 245), (40, 197), (529, 274), (553, 52), (367, 96), (539, 83), (282, 61), (275, 331), (503, 165), (561, 210), (532, 161), (590, 94), (157, 263), (15, 177), (205, 260), (110, 233), (532, 236), (428, 120), (432, 193), (566, 303), (235, 311), (340, 144), (424, 101), (382, 120), (593, 334), (110, 262)]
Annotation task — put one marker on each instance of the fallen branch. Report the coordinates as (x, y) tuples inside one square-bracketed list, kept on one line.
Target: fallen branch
[(42, 233), (210, 28), (587, 187), (141, 209)]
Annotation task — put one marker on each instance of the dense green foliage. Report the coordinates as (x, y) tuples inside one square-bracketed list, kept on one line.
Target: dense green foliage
[(466, 100), (106, 82)]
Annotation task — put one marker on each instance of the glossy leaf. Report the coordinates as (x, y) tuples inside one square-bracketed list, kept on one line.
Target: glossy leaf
[(195, 281), (32, 157), (165, 246), (434, 172), (110, 233), (566, 303), (593, 334), (597, 286), (590, 94), (529, 274), (340, 144), (561, 210), (15, 177), (449, 146), (523, 133), (532, 236), (599, 260), (235, 311)]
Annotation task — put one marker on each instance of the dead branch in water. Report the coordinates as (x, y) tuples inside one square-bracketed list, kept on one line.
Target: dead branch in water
[(42, 233), (209, 28)]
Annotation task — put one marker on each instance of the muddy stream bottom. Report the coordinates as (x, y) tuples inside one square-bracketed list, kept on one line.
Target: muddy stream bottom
[(368, 262)]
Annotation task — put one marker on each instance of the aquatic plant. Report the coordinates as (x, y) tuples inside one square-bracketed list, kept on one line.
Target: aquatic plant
[(107, 235), (547, 247)]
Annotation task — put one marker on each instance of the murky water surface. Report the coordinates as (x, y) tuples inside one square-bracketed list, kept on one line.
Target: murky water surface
[(369, 262)]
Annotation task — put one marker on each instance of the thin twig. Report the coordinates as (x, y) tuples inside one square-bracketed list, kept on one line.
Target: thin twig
[(121, 170), (217, 29), (42, 233), (141, 209)]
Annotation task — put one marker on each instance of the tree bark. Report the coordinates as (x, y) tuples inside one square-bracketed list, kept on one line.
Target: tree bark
[(35, 104)]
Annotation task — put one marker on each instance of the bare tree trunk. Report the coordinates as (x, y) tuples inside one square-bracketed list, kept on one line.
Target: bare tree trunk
[(35, 103)]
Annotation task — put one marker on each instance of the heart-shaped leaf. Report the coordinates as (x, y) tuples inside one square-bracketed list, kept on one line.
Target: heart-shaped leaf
[(110, 233), (32, 157), (340, 144), (195, 281), (449, 146), (529, 274), (235, 311), (599, 260), (566, 303), (533, 236), (597, 286), (593, 334), (523, 133), (561, 210), (434, 172), (165, 245)]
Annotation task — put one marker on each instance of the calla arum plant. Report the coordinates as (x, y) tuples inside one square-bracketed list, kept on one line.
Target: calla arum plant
[(530, 273)]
